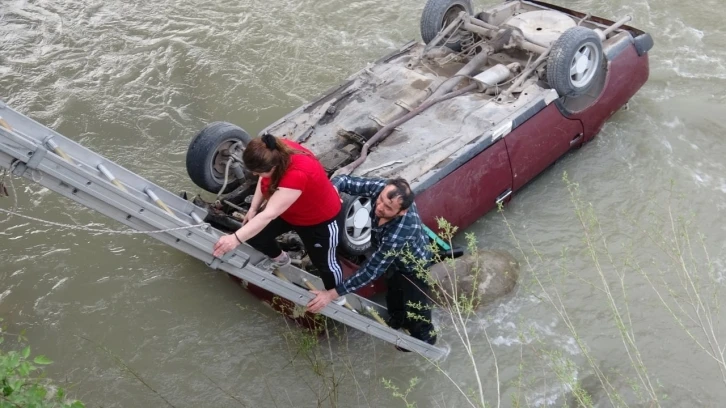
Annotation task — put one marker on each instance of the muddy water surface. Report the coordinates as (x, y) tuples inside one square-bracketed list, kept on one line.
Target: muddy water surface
[(134, 80)]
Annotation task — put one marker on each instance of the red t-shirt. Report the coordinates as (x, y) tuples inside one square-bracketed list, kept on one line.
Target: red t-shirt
[(319, 201)]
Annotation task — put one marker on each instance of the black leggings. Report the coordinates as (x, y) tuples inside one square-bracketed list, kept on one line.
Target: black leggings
[(405, 289), (320, 242)]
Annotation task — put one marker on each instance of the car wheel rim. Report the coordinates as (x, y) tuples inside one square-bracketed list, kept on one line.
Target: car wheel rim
[(584, 64), (358, 221), (220, 159), (451, 15)]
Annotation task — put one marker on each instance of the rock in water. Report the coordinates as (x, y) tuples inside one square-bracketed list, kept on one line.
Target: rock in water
[(494, 273)]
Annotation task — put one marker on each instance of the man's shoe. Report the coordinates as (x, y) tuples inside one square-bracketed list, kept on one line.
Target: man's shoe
[(394, 322), (270, 264)]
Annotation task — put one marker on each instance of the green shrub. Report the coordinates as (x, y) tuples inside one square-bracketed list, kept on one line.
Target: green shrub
[(24, 385)]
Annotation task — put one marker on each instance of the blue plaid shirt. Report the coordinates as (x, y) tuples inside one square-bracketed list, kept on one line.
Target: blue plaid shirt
[(403, 233)]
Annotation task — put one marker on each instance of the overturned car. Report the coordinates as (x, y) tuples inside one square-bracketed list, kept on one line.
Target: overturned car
[(469, 116)]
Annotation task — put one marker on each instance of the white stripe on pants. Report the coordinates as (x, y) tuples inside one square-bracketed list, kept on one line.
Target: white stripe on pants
[(332, 261)]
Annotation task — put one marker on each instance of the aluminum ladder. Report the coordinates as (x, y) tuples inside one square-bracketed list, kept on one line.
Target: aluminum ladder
[(46, 157)]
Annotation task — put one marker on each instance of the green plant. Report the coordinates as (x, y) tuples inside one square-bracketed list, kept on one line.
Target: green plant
[(23, 382), (403, 395)]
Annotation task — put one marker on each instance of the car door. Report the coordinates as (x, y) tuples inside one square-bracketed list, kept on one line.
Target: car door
[(470, 187), (540, 141)]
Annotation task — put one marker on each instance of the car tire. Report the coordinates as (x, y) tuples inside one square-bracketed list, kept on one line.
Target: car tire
[(354, 223), (208, 154), (575, 61), (437, 14)]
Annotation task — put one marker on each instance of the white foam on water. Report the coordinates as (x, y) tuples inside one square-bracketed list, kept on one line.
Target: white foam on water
[(718, 267), (701, 178), (551, 395), (673, 123), (60, 282), (506, 341), (680, 32), (696, 64), (150, 279), (54, 251), (117, 250), (510, 330), (17, 226), (37, 302)]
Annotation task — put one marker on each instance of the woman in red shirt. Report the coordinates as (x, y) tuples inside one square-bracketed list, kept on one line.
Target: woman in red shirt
[(299, 196)]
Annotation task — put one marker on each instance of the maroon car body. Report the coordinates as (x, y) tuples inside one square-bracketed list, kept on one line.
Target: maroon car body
[(472, 189), (516, 128)]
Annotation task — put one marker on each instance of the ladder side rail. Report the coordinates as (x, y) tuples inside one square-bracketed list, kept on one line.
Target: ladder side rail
[(37, 133), (72, 180)]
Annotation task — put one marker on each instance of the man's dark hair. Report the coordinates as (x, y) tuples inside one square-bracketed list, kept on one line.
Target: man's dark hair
[(402, 190)]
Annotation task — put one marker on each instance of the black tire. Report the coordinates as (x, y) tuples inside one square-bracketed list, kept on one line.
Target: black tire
[(346, 239), (561, 60), (207, 156), (437, 14)]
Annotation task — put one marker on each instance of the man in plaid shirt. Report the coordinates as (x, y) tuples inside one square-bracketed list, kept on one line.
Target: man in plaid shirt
[(397, 236)]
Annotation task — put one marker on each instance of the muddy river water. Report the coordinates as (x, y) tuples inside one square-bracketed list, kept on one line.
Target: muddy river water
[(134, 80)]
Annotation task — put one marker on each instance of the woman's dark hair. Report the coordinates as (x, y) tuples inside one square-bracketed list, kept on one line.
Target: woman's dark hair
[(262, 154), (401, 190)]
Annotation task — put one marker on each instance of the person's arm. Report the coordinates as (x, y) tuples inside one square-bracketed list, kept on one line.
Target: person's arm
[(280, 201), (256, 202), (359, 186), (374, 267)]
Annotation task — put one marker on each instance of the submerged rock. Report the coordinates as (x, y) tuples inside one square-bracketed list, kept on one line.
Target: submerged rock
[(493, 273)]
